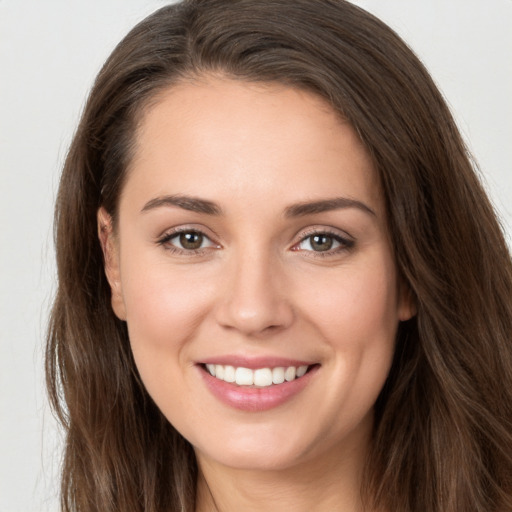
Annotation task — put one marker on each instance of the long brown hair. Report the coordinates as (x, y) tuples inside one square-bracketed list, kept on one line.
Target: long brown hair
[(442, 440)]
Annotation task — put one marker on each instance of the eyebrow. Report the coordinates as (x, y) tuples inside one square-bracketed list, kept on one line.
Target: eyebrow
[(325, 205), (193, 204)]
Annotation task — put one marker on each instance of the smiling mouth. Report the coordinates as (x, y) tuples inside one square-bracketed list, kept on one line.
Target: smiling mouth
[(260, 377)]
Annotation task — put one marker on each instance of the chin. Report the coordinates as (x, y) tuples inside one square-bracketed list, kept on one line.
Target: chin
[(278, 448)]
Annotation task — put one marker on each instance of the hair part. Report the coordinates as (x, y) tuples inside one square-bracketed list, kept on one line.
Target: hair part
[(444, 418)]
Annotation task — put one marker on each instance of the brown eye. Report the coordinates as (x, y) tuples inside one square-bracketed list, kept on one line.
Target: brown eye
[(191, 240), (324, 242), (321, 243), (187, 242)]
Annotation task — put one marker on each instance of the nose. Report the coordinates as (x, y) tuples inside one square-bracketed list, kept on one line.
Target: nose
[(253, 298)]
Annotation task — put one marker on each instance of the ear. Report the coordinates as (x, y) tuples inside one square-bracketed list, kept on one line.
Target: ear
[(406, 302), (110, 249)]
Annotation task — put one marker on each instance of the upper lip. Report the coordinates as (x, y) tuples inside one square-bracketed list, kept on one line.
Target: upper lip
[(254, 363)]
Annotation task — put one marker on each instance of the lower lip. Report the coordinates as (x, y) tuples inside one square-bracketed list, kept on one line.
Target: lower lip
[(255, 399)]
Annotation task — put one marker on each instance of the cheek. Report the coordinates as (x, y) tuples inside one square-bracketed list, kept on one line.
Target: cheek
[(164, 305), (163, 298), (357, 318), (360, 299), (163, 310)]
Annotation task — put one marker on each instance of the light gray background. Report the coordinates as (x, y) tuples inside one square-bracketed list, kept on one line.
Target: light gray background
[(50, 52)]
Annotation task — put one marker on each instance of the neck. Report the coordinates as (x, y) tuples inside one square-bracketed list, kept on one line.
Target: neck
[(329, 482)]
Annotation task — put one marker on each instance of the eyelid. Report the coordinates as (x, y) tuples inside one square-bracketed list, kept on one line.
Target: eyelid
[(345, 240), (171, 233), (184, 228)]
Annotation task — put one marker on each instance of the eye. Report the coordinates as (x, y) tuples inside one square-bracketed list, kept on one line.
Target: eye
[(186, 241), (191, 240), (324, 242)]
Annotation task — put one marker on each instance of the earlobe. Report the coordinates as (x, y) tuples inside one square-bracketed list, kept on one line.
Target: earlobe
[(110, 250), (407, 303)]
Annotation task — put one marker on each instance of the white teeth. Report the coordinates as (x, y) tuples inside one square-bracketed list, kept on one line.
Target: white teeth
[(229, 374), (290, 373), (278, 375), (219, 371), (262, 377), (244, 377), (301, 370)]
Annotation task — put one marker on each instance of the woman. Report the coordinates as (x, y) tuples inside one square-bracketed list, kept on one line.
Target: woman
[(280, 281)]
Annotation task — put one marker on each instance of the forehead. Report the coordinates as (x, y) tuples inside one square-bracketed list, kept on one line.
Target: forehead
[(218, 136)]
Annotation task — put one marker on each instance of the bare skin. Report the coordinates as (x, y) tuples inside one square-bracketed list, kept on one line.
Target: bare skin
[(252, 228), (324, 484)]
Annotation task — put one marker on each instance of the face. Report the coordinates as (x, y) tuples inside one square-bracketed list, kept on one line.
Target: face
[(252, 245)]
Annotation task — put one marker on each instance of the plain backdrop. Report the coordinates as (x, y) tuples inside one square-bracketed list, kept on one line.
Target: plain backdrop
[(50, 52)]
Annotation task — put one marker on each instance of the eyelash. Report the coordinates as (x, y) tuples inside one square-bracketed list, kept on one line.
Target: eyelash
[(165, 241), (345, 244)]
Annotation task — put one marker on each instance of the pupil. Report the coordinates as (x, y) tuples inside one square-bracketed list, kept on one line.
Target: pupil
[(321, 242), (191, 240)]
